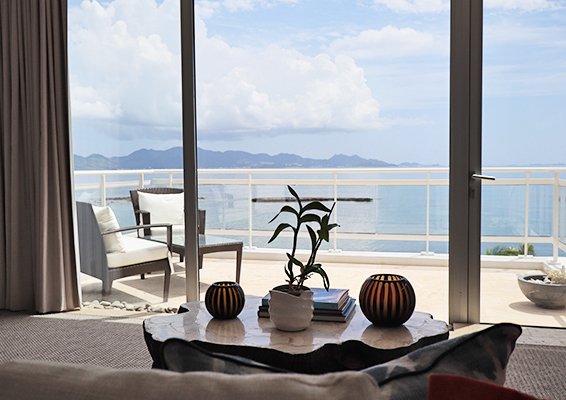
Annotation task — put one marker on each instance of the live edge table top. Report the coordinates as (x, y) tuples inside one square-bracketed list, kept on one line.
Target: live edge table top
[(249, 331)]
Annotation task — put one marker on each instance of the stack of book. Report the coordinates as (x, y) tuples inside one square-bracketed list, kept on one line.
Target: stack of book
[(334, 305)]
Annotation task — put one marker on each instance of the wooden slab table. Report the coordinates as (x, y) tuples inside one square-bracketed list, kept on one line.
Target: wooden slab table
[(323, 347)]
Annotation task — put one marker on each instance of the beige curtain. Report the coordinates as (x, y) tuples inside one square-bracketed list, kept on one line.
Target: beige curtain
[(37, 252)]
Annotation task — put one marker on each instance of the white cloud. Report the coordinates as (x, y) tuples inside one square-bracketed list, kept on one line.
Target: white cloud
[(512, 32), (388, 42), (125, 65), (88, 103), (436, 6), (520, 5), (208, 7), (287, 90), (415, 6), (280, 88)]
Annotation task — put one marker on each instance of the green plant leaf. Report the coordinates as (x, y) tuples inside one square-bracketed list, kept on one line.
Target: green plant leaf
[(332, 226), (311, 268), (295, 195), (316, 205), (323, 234), (288, 209), (312, 234), (288, 273), (309, 218), (325, 281), (295, 261), (280, 229)]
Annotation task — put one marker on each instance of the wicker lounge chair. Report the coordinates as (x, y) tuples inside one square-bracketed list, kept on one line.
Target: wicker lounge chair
[(139, 256)]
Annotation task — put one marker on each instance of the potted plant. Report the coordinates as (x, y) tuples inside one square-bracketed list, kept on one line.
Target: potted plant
[(291, 305), (547, 291)]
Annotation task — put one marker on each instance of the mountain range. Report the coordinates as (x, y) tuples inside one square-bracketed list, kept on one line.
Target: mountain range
[(173, 159)]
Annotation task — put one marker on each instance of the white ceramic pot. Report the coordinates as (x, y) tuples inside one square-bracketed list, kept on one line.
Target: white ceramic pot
[(291, 313)]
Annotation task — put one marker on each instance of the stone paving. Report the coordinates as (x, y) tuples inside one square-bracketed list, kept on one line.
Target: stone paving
[(501, 298)]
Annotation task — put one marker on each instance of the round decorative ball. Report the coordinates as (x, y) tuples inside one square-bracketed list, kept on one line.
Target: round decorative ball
[(387, 299), (224, 300)]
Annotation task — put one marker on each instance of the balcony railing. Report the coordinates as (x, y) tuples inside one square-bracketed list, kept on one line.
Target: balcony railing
[(524, 205)]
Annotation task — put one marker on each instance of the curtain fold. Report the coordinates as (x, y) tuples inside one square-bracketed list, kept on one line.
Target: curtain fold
[(37, 250)]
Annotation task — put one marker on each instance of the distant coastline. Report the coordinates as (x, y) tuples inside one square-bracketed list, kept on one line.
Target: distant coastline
[(173, 159)]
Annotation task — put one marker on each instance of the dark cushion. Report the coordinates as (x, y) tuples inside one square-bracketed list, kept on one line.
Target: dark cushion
[(482, 355)]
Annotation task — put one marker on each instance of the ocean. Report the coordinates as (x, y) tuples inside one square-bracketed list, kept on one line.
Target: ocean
[(387, 210)]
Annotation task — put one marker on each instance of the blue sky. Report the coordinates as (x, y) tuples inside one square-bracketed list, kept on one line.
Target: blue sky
[(316, 78)]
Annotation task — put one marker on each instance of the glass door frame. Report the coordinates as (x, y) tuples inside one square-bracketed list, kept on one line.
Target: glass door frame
[(190, 173), (464, 250)]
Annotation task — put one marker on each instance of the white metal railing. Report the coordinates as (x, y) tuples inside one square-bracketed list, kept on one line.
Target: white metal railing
[(102, 181)]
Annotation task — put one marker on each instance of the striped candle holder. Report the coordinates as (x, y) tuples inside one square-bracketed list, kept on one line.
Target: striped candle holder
[(224, 300), (387, 299)]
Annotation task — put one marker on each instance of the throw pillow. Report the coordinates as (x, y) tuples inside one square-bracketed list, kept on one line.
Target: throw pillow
[(163, 208), (444, 387), (34, 380), (482, 355), (107, 222)]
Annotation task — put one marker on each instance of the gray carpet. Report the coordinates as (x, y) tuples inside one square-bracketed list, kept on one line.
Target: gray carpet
[(539, 371), (104, 342), (111, 342)]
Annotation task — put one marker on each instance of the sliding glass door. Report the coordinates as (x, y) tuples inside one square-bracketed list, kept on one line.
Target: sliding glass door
[(523, 147), (125, 87), (515, 192)]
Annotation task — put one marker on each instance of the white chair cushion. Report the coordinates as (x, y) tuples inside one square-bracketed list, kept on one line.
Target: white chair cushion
[(163, 208), (137, 251), (107, 222), (176, 230)]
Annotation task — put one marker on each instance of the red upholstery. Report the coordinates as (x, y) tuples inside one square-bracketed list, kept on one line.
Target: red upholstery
[(450, 387)]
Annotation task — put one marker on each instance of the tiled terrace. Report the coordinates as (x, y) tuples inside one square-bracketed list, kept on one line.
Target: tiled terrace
[(501, 298)]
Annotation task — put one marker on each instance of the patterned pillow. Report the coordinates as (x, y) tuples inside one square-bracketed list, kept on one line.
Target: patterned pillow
[(482, 355)]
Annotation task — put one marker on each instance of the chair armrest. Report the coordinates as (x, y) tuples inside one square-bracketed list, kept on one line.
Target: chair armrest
[(133, 228), (138, 227), (143, 217)]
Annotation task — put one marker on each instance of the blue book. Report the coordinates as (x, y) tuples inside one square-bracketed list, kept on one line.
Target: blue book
[(344, 316)]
